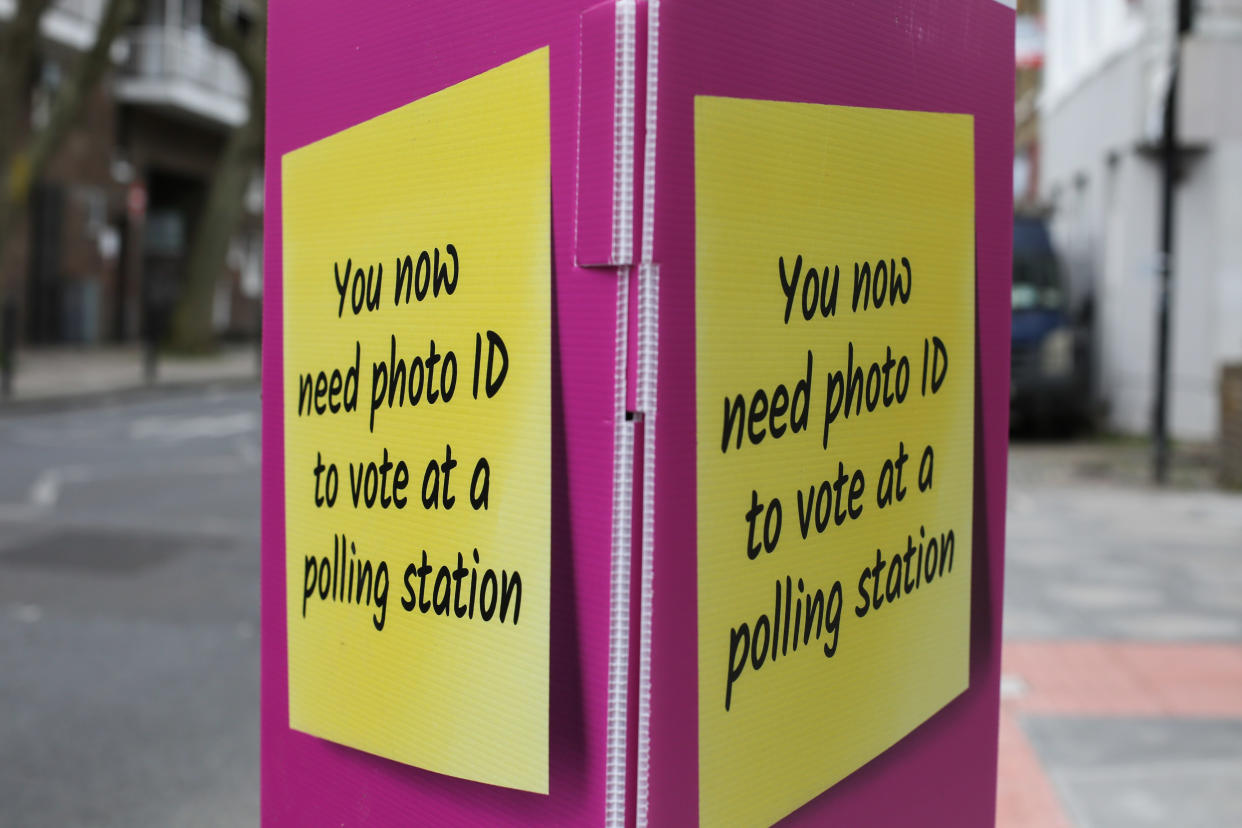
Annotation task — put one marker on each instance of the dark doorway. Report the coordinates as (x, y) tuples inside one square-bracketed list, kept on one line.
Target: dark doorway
[(175, 202), (45, 287)]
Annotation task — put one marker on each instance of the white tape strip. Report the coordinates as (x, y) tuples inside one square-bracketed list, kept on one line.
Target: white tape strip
[(615, 751), (647, 398), (621, 568)]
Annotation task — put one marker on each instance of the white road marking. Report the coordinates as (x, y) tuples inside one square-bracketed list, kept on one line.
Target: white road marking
[(179, 429), (45, 491), (28, 613)]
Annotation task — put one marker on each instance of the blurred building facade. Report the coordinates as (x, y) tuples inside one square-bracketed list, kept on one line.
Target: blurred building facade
[(1105, 78), (105, 235), (1028, 80)]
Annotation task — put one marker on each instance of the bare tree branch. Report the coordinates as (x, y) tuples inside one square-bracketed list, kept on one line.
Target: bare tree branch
[(21, 165), (17, 46), (250, 50), (79, 85)]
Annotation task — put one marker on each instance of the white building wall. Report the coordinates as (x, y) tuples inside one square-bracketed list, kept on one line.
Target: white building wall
[(1126, 303), (1101, 111), (1083, 35), (1197, 237), (1228, 308)]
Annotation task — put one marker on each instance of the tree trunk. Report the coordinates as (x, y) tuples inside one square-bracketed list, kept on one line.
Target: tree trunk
[(17, 42), (191, 329)]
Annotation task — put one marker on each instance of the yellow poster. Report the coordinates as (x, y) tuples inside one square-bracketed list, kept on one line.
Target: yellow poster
[(417, 283), (835, 310)]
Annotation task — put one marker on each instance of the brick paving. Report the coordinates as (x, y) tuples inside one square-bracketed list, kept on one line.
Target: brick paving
[(1024, 794), (1104, 678)]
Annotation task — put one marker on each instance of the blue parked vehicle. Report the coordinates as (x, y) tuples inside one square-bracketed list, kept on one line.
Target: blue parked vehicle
[(1049, 386)]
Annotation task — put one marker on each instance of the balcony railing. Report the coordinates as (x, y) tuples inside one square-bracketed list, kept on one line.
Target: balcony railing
[(183, 69)]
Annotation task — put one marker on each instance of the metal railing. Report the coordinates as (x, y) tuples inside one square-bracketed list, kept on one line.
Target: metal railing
[(187, 55)]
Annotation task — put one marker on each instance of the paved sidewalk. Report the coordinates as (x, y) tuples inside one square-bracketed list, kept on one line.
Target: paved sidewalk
[(64, 373), (1122, 688)]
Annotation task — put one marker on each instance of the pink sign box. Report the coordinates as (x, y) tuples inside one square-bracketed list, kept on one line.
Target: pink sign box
[(332, 65), (894, 54)]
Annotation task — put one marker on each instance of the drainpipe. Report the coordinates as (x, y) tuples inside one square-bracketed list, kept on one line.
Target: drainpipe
[(1160, 430)]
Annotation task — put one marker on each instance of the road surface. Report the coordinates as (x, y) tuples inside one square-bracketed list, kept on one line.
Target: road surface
[(129, 613)]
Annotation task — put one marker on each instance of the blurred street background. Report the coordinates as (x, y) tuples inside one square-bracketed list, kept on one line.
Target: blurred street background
[(1122, 684), (1121, 688), (129, 611), (130, 302)]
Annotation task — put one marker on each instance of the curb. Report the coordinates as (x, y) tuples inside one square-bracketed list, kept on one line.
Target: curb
[(17, 406)]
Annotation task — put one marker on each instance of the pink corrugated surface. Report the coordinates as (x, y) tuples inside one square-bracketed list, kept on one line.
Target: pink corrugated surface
[(332, 65), (899, 54), (593, 222)]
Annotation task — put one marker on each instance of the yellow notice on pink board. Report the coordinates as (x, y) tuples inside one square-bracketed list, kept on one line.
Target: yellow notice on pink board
[(417, 312), (835, 339)]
